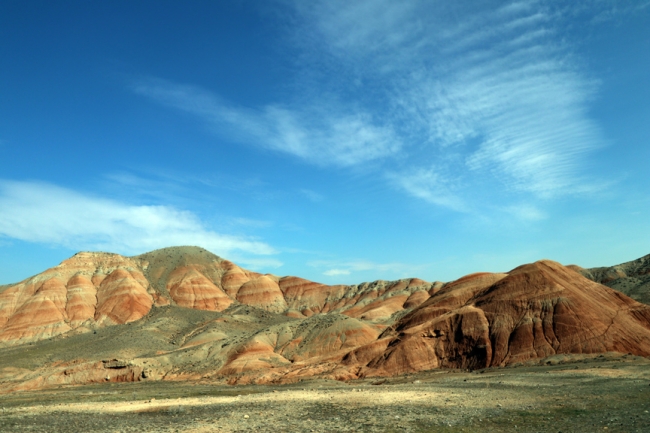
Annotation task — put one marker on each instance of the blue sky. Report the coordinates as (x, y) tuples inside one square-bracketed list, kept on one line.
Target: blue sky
[(338, 141)]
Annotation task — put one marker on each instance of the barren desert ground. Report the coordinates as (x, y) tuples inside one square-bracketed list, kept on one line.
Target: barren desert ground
[(606, 392)]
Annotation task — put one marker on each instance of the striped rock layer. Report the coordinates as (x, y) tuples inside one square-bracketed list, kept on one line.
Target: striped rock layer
[(92, 290), (201, 316)]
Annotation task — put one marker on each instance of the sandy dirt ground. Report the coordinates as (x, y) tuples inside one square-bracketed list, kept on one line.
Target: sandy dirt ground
[(606, 393)]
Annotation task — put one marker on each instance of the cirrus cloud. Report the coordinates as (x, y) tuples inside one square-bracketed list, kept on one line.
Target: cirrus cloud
[(319, 134), (493, 93)]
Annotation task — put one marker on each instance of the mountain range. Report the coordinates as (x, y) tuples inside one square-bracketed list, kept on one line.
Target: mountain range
[(183, 313)]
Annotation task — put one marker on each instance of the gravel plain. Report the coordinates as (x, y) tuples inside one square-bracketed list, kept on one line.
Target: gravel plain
[(599, 393)]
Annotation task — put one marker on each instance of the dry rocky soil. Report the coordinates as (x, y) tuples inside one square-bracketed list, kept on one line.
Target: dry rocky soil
[(607, 392)]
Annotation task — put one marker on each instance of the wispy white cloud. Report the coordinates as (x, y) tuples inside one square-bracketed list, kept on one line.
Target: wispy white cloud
[(610, 10), (45, 213), (496, 84), (445, 97), (334, 268), (519, 98), (185, 189), (525, 212), (335, 272), (312, 195), (365, 30), (323, 135), (429, 185)]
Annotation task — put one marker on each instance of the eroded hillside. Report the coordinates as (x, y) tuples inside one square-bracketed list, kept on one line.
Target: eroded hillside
[(631, 278), (186, 314)]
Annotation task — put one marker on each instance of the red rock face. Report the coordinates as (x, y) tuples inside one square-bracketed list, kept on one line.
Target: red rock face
[(416, 299), (234, 278), (258, 354), (262, 292), (86, 288), (380, 308), (122, 297), (329, 339), (191, 289), (41, 315), (301, 294), (81, 300), (535, 311), (565, 313), (11, 299)]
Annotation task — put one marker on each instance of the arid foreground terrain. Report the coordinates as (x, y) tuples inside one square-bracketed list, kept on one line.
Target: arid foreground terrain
[(609, 393), (159, 340)]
